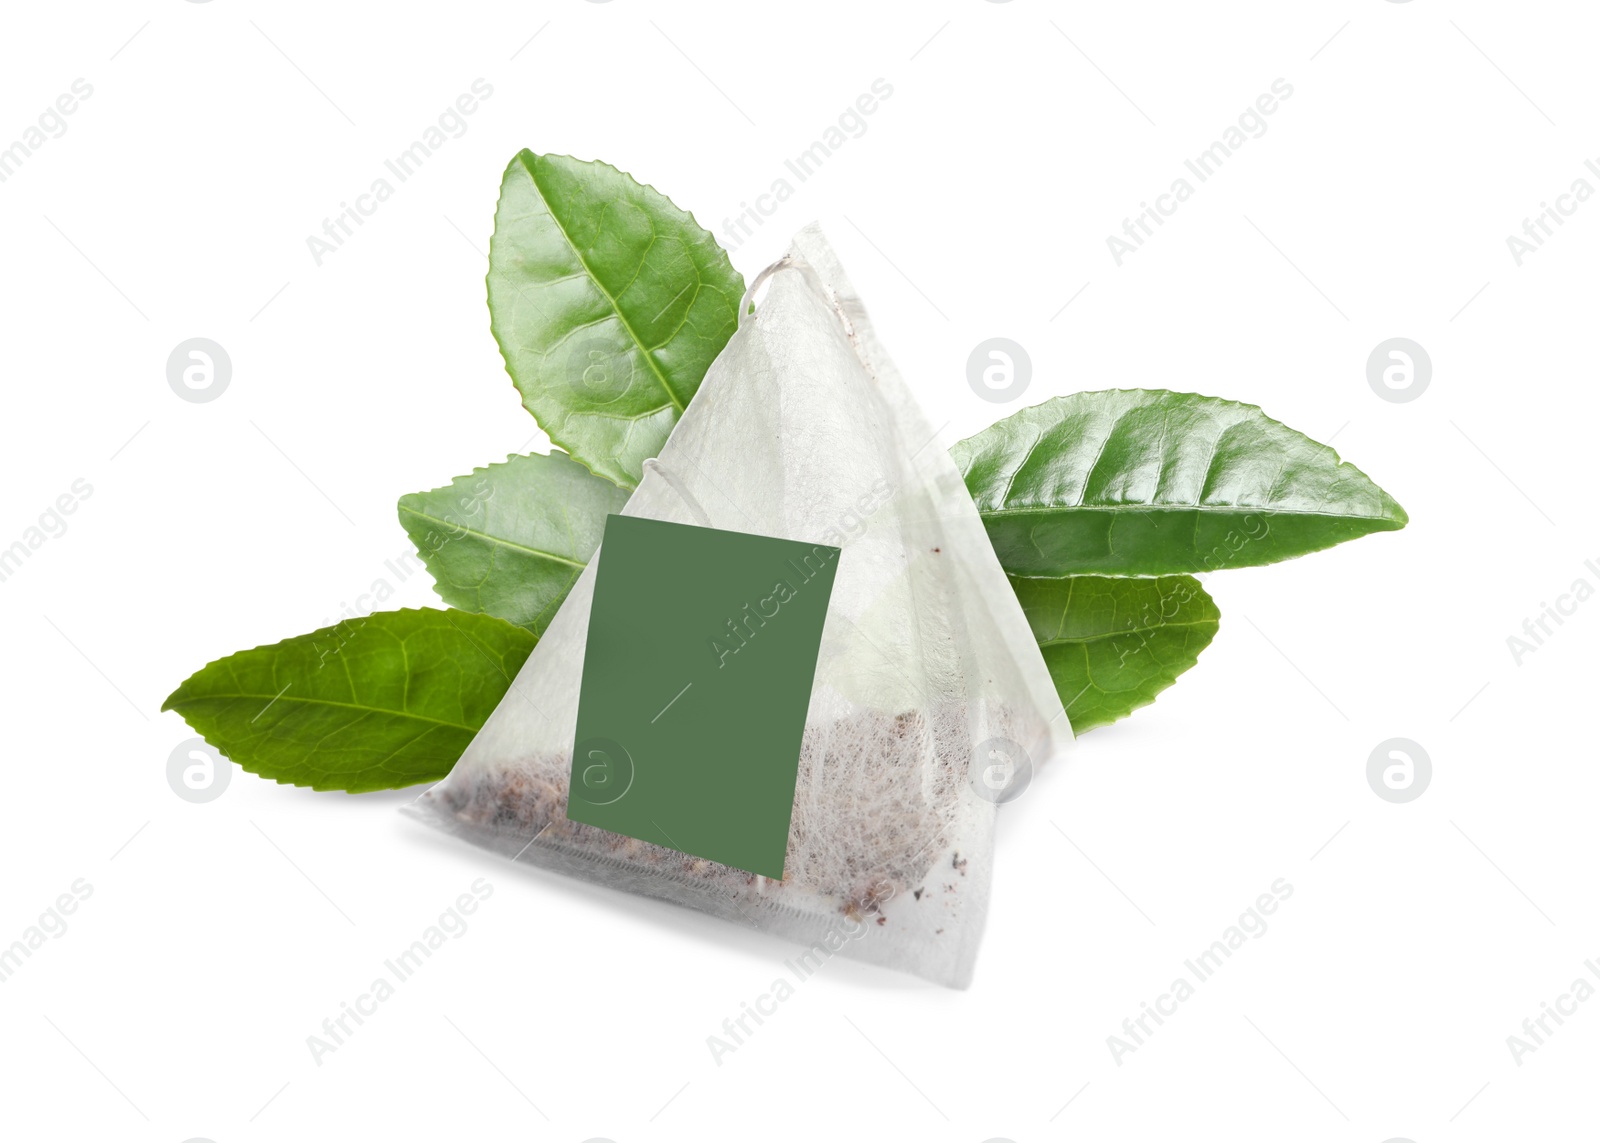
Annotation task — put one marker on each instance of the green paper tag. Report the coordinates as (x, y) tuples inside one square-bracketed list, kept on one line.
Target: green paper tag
[(696, 678)]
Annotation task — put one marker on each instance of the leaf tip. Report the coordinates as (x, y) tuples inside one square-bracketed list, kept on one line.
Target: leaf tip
[(1394, 512), (177, 696)]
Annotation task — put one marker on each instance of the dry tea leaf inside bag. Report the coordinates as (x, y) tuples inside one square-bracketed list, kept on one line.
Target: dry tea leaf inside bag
[(930, 698)]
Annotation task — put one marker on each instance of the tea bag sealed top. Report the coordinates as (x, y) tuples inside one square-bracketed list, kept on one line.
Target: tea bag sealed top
[(930, 695)]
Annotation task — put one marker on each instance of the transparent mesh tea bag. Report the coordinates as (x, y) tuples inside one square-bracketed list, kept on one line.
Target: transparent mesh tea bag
[(927, 680)]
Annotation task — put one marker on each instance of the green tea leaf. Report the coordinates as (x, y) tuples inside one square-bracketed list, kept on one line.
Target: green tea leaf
[(386, 700), (509, 540), (1112, 645), (1147, 482), (609, 304)]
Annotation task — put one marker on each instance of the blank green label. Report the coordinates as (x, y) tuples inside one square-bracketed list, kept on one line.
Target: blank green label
[(696, 679)]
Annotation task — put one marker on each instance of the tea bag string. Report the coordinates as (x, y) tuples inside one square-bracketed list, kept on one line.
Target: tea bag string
[(787, 262), (790, 262), (747, 303), (653, 465), (746, 306)]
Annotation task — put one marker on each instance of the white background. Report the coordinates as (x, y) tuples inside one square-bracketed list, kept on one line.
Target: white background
[(978, 202)]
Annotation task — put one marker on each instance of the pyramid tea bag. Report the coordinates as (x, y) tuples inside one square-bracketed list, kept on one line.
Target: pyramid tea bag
[(929, 689)]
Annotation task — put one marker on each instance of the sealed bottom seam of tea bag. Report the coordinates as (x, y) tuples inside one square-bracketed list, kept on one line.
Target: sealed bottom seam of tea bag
[(931, 927), (802, 430), (904, 884)]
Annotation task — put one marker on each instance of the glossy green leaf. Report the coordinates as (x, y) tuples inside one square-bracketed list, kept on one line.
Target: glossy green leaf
[(1113, 644), (609, 304), (373, 703), (509, 540), (1146, 482)]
